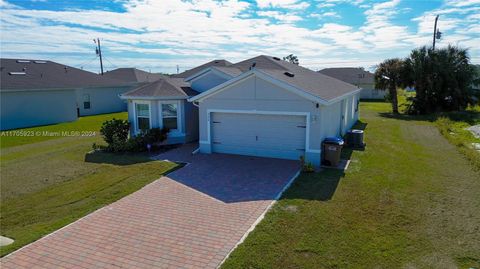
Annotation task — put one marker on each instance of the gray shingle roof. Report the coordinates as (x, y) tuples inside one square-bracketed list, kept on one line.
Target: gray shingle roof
[(163, 87), (322, 86), (353, 75), (49, 75), (132, 75), (314, 83), (199, 68), (232, 71)]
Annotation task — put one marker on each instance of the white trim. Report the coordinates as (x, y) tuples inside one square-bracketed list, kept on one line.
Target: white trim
[(260, 218), (222, 86), (260, 112), (199, 73), (205, 71), (179, 130), (267, 77), (336, 99), (135, 127), (150, 98)]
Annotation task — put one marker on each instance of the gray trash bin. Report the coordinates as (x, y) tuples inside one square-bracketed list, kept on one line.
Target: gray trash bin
[(332, 150)]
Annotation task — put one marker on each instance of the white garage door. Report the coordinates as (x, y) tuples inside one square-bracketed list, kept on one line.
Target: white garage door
[(276, 136)]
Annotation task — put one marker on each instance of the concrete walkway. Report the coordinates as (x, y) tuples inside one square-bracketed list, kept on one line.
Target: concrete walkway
[(191, 218)]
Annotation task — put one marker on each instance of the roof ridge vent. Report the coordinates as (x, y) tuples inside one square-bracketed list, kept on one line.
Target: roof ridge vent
[(23, 61), (276, 58), (289, 74), (17, 73)]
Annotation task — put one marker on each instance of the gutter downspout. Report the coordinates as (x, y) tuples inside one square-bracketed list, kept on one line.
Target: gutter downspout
[(198, 149)]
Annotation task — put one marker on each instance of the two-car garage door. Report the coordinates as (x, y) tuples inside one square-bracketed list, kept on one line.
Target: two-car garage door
[(263, 135)]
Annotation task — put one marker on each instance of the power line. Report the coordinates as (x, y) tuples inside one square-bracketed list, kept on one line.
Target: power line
[(86, 62), (113, 65)]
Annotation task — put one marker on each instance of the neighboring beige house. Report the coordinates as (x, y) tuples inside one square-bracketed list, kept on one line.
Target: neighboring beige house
[(358, 77)]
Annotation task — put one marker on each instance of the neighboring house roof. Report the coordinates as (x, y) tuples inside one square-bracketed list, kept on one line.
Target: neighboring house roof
[(132, 75), (19, 74), (231, 71), (226, 71), (353, 75), (164, 87), (190, 72)]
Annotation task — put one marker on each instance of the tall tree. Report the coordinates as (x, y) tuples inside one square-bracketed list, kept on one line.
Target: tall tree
[(442, 78), (388, 76), (291, 58)]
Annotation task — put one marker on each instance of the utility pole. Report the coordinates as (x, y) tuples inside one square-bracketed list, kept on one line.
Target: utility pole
[(435, 32), (98, 50)]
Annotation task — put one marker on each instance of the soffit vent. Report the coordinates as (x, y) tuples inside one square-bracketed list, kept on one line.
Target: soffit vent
[(17, 73)]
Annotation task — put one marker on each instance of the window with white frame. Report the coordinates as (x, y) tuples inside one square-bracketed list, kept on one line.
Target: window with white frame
[(142, 112), (86, 101), (170, 116)]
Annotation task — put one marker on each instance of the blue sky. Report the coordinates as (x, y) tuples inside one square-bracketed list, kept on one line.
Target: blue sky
[(159, 35)]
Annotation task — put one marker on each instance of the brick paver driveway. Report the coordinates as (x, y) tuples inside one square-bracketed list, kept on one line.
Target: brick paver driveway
[(190, 219)]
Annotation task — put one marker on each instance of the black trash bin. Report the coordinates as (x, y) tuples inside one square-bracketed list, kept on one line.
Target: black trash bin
[(332, 150)]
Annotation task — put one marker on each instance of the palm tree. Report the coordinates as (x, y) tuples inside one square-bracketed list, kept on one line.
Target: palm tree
[(291, 58), (389, 76), (442, 79)]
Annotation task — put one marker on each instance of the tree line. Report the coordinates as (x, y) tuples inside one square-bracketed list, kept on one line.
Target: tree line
[(442, 78)]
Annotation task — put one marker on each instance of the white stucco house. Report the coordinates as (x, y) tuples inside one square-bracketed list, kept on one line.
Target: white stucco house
[(358, 77), (262, 106)]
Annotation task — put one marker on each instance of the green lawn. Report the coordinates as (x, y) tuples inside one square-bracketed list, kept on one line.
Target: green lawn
[(452, 126), (410, 200), (48, 132), (46, 183)]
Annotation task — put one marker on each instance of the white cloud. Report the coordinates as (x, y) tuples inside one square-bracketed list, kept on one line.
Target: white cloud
[(331, 14), (325, 5), (161, 34), (288, 4), (287, 18), (462, 3)]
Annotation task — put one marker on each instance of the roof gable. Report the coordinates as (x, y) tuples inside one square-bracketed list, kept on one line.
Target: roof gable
[(132, 75), (162, 88), (302, 81), (199, 68)]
